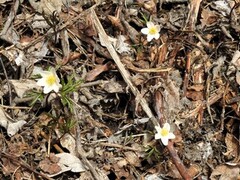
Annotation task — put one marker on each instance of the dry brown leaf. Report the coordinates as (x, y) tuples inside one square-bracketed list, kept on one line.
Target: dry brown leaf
[(92, 75), (232, 146), (49, 164), (132, 158), (47, 7), (24, 85), (113, 86), (196, 87), (225, 172), (8, 166), (195, 95), (194, 170), (122, 162), (172, 171), (209, 17)]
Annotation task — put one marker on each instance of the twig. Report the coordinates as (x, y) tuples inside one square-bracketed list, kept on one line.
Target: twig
[(187, 72), (119, 146), (192, 15), (14, 107), (149, 70), (177, 161)]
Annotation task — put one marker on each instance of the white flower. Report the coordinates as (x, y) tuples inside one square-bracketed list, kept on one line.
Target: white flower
[(152, 31), (49, 81), (164, 133)]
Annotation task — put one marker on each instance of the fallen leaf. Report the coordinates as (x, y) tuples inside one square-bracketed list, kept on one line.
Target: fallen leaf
[(208, 17), (3, 118), (132, 158), (68, 142), (195, 95), (13, 128), (222, 6), (113, 86), (92, 75), (232, 146), (218, 65), (23, 85), (153, 177), (121, 46), (49, 165), (236, 59), (225, 172), (72, 162)]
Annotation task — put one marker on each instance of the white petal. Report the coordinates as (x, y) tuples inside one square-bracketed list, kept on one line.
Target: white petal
[(158, 128), (56, 87), (156, 36), (158, 136), (53, 71), (165, 141), (171, 136), (145, 30), (158, 28), (45, 74), (55, 74), (41, 82), (149, 37), (47, 90), (150, 24), (166, 126)]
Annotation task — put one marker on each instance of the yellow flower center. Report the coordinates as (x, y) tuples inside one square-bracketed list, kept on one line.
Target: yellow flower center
[(51, 79), (164, 132), (153, 30)]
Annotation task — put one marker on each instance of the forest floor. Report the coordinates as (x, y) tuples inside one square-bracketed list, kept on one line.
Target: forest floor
[(119, 89)]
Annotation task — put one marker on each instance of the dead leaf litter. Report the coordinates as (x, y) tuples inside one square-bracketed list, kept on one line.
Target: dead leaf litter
[(87, 86)]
